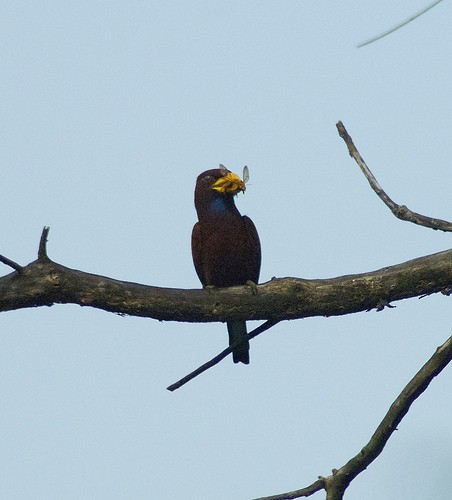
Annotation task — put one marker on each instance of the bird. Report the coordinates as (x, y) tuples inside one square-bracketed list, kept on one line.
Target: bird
[(225, 245)]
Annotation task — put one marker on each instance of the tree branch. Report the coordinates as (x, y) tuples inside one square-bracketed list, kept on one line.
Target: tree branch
[(336, 484), (42, 250), (8, 262), (400, 211), (219, 357), (303, 492), (400, 25), (44, 283)]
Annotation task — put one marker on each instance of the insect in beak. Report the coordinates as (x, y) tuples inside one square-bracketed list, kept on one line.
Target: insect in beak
[(246, 174)]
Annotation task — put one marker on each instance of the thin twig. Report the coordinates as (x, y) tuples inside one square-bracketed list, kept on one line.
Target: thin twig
[(337, 483), (17, 267), (214, 361), (400, 211), (304, 492), (400, 25)]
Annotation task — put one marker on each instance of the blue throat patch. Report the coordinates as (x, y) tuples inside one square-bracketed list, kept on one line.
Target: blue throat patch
[(218, 205)]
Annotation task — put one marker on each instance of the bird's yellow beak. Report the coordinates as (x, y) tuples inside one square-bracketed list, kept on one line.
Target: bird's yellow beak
[(229, 183)]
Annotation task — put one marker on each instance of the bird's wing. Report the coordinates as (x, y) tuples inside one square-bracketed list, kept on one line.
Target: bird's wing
[(196, 251), (253, 250)]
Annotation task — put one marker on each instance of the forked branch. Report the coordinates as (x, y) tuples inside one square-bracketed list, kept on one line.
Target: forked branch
[(336, 484)]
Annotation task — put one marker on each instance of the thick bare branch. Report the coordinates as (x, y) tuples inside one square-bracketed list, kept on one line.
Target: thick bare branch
[(44, 282), (336, 484), (400, 211)]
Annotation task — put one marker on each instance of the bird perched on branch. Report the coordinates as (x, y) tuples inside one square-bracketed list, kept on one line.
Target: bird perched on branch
[(225, 245)]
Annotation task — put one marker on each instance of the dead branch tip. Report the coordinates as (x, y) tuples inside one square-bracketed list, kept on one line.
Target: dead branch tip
[(42, 251)]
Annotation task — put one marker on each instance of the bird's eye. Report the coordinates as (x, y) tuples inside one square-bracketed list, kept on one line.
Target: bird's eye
[(208, 178)]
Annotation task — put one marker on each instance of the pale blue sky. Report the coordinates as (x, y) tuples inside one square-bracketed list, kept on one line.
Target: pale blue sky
[(109, 111)]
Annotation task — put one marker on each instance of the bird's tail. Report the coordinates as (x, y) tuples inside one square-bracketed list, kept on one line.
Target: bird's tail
[(237, 333)]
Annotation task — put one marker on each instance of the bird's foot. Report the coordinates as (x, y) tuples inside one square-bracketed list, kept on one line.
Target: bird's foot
[(253, 287)]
